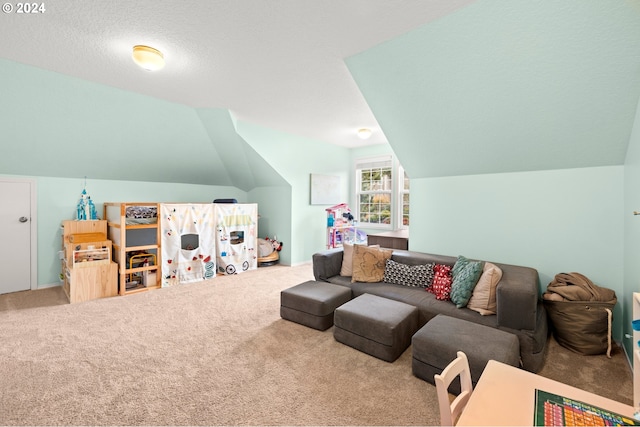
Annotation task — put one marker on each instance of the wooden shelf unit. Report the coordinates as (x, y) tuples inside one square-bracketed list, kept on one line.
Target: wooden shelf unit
[(130, 237), (87, 271)]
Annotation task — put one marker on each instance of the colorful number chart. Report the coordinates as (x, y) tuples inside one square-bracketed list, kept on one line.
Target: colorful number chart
[(554, 410)]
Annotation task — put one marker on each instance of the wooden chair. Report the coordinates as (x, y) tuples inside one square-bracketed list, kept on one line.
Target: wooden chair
[(450, 411)]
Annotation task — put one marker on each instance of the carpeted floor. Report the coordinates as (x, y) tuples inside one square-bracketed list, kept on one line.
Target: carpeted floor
[(217, 353)]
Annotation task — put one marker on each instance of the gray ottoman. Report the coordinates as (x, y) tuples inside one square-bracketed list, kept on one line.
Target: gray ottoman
[(313, 303), (435, 345), (377, 326)]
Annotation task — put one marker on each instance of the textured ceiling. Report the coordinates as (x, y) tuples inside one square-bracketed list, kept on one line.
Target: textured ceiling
[(276, 63)]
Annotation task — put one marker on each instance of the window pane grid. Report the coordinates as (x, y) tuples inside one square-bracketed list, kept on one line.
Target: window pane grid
[(374, 195)]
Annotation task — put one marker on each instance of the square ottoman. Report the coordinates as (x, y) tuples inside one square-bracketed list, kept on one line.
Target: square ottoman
[(313, 303), (435, 345), (377, 326)]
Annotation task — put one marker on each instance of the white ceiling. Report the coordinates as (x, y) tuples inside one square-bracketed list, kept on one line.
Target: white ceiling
[(276, 63)]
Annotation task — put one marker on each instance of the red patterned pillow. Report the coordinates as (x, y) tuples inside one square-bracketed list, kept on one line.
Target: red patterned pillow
[(441, 286)]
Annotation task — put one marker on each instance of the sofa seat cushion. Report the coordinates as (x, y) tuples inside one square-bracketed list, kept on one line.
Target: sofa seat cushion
[(437, 343), (312, 303), (377, 326)]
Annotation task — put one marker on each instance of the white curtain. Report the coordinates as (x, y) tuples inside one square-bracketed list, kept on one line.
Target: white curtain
[(236, 237), (188, 243)]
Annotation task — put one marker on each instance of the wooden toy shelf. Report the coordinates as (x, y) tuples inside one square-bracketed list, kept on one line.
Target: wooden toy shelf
[(134, 231), (87, 270)]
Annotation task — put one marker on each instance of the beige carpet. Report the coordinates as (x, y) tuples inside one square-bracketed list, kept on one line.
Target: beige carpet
[(217, 353)]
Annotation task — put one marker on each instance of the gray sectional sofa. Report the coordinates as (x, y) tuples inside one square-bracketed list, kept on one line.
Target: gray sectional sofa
[(519, 307)]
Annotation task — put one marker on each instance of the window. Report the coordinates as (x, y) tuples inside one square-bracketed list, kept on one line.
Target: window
[(404, 199), (378, 196)]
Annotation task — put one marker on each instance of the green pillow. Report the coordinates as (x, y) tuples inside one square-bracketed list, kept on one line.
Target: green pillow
[(466, 274)]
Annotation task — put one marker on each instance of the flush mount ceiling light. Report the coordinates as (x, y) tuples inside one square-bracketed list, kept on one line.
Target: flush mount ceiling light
[(148, 58), (364, 133)]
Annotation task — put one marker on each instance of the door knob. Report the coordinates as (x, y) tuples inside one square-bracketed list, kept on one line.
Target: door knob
[(23, 219)]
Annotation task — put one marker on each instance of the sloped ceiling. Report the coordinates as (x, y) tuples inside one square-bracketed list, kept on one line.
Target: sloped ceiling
[(502, 86), (59, 126), (275, 63), (457, 87), (243, 165)]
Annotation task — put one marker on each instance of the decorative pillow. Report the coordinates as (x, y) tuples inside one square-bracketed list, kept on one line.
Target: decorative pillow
[(483, 299), (347, 259), (409, 275), (441, 286), (466, 274), (369, 263)]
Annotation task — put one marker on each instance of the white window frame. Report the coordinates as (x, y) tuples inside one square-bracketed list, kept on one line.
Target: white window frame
[(371, 163), (400, 199), (396, 190)]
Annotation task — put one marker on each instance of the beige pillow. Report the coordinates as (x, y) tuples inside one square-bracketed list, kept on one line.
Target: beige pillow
[(347, 259), (483, 299), (369, 263)]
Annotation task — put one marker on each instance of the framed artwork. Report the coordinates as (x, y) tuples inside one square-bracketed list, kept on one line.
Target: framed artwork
[(325, 189)]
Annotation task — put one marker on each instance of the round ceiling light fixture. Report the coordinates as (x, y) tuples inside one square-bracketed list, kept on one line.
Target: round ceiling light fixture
[(364, 133), (148, 58)]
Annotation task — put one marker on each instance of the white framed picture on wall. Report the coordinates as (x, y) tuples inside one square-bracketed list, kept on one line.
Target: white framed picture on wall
[(325, 189)]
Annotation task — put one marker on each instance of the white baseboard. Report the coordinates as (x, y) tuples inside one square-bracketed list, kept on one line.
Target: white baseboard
[(49, 285)]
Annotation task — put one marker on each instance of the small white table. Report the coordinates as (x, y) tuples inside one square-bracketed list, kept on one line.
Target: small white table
[(505, 395)]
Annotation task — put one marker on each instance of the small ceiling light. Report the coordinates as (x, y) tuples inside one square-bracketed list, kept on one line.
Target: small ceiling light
[(148, 58), (364, 133)]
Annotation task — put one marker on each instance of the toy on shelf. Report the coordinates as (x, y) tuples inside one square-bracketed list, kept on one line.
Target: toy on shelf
[(85, 209), (342, 227)]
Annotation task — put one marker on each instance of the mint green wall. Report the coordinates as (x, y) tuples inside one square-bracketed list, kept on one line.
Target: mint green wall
[(554, 221), (296, 158), (57, 198), (274, 209), (60, 129), (631, 229)]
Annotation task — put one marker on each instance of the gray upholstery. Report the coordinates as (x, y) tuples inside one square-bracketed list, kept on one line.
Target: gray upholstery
[(377, 326), (437, 343), (313, 303), (520, 310)]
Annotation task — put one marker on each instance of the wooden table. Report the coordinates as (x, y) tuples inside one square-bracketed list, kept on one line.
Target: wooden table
[(505, 395)]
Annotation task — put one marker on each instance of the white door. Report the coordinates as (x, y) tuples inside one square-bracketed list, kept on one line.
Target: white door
[(15, 229)]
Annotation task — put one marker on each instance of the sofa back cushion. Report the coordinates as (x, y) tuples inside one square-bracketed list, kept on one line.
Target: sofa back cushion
[(419, 258)]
